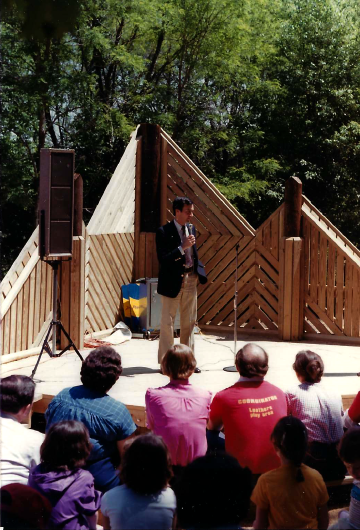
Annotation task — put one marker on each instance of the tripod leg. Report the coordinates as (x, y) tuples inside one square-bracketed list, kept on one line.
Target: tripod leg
[(43, 347), (70, 341)]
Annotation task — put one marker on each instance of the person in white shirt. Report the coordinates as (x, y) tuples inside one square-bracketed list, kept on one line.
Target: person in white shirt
[(19, 446)]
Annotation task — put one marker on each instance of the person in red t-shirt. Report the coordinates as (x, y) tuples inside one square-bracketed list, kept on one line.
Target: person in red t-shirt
[(249, 411)]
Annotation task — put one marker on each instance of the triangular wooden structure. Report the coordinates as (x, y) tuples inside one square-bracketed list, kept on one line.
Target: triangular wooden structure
[(288, 287)]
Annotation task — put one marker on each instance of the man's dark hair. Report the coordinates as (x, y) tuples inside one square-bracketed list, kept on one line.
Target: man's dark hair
[(180, 202), (349, 446), (213, 491), (101, 369), (146, 464), (17, 391), (252, 361), (309, 365), (178, 362), (66, 445)]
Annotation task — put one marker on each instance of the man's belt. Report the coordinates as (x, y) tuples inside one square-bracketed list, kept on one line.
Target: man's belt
[(188, 270)]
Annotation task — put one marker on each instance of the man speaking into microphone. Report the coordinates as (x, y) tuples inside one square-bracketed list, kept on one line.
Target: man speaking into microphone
[(180, 269)]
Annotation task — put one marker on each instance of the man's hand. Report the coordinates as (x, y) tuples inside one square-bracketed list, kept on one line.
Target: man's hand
[(188, 242)]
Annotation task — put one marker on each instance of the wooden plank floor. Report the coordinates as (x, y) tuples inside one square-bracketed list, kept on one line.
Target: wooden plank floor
[(213, 352)]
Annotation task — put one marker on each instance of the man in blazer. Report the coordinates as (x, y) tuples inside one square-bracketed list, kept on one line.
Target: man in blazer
[(180, 269)]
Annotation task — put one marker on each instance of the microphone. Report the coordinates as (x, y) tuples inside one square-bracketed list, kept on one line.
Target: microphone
[(190, 226)]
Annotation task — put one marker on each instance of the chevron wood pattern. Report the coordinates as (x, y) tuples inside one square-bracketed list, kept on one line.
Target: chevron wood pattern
[(332, 279), (109, 265), (221, 234)]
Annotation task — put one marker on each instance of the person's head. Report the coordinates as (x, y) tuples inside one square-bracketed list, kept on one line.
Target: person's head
[(66, 446), (252, 361), (290, 439), (178, 362), (213, 491), (17, 394), (23, 507), (101, 369), (309, 366), (183, 209), (349, 451), (146, 464)]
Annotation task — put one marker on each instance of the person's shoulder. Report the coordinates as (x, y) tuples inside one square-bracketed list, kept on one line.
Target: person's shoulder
[(312, 474), (35, 436), (228, 391), (154, 392), (115, 493), (168, 497), (65, 393), (274, 388), (201, 392), (166, 227)]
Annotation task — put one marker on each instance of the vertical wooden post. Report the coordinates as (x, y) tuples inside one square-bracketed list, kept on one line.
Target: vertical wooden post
[(136, 268), (163, 182), (293, 203), (150, 177), (150, 197), (78, 205), (291, 289), (291, 292)]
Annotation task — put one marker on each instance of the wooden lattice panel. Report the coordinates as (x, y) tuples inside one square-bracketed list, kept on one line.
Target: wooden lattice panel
[(109, 265), (331, 281), (220, 229)]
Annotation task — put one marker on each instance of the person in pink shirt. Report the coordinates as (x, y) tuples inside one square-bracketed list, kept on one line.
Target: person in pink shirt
[(179, 411)]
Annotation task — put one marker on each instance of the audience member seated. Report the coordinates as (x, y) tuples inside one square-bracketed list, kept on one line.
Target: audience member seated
[(349, 451), (20, 447), (179, 411), (60, 478), (248, 411), (321, 412), (352, 415), (23, 507), (144, 500), (108, 421), (213, 492), (294, 495)]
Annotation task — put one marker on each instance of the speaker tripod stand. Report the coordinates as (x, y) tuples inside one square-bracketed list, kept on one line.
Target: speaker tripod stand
[(54, 325)]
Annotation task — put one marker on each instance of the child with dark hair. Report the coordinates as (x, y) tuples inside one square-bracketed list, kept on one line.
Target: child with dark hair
[(213, 493), (321, 412), (60, 478), (144, 500), (349, 451), (294, 495)]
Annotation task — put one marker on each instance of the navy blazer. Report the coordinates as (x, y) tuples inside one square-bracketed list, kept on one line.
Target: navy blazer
[(172, 261)]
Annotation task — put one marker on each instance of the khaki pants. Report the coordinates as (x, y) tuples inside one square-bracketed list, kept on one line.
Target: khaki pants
[(186, 301)]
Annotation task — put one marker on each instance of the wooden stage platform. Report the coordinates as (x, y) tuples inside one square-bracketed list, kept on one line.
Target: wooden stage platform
[(213, 352)]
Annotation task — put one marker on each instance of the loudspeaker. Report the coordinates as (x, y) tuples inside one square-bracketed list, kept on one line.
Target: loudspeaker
[(56, 203)]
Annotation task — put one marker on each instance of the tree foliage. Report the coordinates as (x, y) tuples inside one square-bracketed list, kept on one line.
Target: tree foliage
[(253, 90)]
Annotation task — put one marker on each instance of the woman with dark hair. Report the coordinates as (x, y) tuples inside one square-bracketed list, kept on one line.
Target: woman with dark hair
[(60, 478), (321, 412), (178, 411), (144, 500), (293, 495), (108, 421)]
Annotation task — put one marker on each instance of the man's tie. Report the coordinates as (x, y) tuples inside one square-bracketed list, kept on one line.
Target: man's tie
[(188, 253)]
